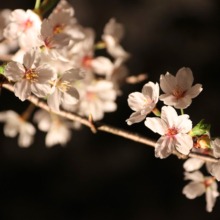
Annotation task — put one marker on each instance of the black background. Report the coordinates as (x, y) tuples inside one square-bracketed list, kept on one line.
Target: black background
[(107, 177)]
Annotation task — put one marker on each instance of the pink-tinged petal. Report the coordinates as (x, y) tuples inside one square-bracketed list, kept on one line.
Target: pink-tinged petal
[(184, 124), (73, 75), (164, 147), (148, 109), (193, 164), (194, 91), (32, 58), (61, 40), (193, 190), (183, 102), (54, 100), (216, 147), (12, 31), (183, 143), (136, 101), (185, 78), (211, 196), (157, 125), (135, 118), (19, 16), (169, 115), (196, 176), (215, 170), (71, 97), (46, 73), (118, 51), (22, 89), (41, 90), (168, 83), (109, 106), (168, 99), (46, 29), (14, 71)]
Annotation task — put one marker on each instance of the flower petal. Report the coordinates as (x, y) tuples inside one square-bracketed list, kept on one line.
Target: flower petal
[(41, 90), (185, 78), (211, 198), (194, 91), (193, 190), (14, 71), (157, 125), (196, 176), (32, 58), (169, 116), (73, 75), (183, 102), (193, 164), (54, 100), (216, 147), (71, 97), (22, 89), (109, 106), (164, 147), (167, 83), (46, 73), (168, 99), (184, 124), (183, 143), (135, 118), (215, 170), (136, 101)]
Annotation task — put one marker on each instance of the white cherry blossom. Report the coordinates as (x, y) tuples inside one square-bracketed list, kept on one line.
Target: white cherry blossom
[(173, 130), (15, 124), (143, 103), (51, 43), (63, 90), (63, 5), (193, 164), (200, 185), (30, 77), (23, 25), (179, 90)]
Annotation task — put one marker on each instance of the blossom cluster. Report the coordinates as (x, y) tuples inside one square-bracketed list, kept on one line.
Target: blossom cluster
[(55, 60), (177, 131)]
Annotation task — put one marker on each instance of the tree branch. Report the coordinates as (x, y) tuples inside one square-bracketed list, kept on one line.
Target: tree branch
[(110, 129)]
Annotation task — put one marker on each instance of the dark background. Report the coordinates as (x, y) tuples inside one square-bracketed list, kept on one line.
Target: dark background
[(107, 177)]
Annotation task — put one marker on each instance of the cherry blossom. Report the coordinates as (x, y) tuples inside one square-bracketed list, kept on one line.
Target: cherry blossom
[(30, 77), (24, 25), (143, 103), (51, 43), (179, 90), (200, 185), (63, 90), (173, 129), (15, 124)]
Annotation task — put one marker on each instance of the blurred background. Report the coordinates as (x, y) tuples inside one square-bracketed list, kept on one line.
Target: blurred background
[(101, 176)]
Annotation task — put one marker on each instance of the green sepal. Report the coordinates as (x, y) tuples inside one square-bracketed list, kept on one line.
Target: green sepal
[(2, 68), (200, 129)]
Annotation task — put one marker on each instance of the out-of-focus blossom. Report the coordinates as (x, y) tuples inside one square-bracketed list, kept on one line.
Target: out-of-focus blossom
[(15, 124), (143, 103), (173, 129), (179, 90), (63, 90), (113, 33), (23, 25), (30, 77), (200, 185), (7, 46), (193, 164), (63, 5), (58, 130)]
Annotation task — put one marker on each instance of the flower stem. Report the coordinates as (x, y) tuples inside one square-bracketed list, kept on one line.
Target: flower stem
[(156, 112), (27, 113), (37, 5), (182, 112)]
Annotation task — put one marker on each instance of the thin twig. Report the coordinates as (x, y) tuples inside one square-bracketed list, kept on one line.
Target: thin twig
[(110, 129)]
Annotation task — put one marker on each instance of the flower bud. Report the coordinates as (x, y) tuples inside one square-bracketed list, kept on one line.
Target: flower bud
[(200, 129), (203, 142)]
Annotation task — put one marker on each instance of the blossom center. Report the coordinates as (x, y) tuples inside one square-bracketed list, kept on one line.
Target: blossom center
[(147, 100), (87, 60), (209, 181), (171, 132), (91, 95), (64, 86), (178, 91), (50, 42), (31, 75), (58, 29), (28, 24)]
